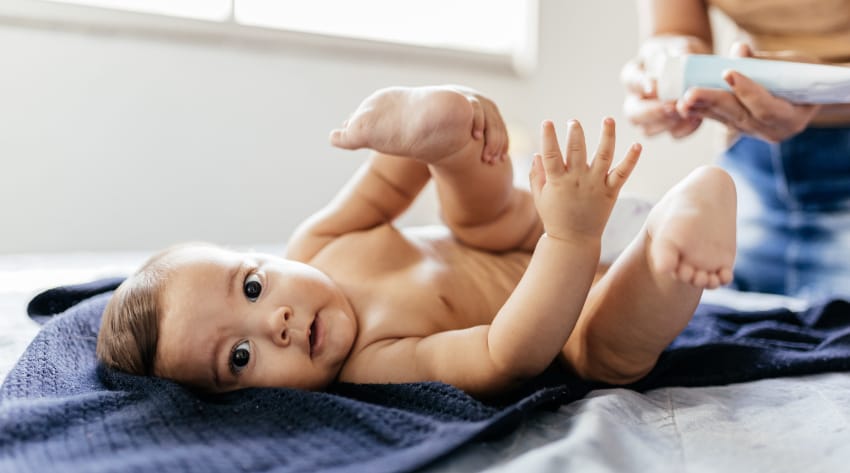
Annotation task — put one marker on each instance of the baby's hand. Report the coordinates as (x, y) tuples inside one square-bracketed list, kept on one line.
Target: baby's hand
[(487, 123), (574, 199)]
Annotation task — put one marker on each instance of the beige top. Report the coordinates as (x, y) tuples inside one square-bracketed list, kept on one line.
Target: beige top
[(818, 28)]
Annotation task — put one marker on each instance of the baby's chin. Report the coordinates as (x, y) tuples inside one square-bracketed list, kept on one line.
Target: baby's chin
[(338, 332), (338, 349)]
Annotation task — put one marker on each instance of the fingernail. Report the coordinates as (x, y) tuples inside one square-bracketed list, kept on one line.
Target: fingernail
[(478, 134), (730, 79)]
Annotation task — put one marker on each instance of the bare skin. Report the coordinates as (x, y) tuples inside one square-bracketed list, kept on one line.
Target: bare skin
[(688, 245), (505, 288)]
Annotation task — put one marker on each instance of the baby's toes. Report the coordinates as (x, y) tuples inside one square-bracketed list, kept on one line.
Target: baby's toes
[(713, 281), (725, 275), (348, 137), (700, 278), (685, 272), (340, 138)]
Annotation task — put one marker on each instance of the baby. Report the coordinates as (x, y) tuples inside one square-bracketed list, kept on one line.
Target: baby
[(507, 288)]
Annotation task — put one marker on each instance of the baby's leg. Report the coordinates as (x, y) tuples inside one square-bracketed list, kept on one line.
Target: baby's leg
[(650, 292), (435, 125)]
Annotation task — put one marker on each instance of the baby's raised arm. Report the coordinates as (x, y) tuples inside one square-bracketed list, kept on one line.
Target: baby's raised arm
[(574, 200)]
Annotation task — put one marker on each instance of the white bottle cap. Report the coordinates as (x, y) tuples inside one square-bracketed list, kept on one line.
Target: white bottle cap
[(671, 78)]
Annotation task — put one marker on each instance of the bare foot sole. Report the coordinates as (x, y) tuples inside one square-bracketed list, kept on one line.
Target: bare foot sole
[(425, 123), (692, 230)]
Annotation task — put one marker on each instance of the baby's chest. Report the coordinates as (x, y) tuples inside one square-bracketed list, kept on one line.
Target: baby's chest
[(418, 284), (418, 299)]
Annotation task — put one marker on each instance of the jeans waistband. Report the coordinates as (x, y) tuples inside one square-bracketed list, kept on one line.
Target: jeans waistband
[(810, 171)]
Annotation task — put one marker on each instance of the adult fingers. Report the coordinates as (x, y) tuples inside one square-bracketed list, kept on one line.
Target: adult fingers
[(636, 80), (718, 104), (652, 116), (774, 117), (685, 127), (740, 49)]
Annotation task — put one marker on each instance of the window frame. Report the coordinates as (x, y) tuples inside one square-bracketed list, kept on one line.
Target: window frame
[(90, 19)]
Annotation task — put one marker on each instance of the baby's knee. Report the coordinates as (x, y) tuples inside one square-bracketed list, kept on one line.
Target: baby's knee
[(599, 362), (715, 174)]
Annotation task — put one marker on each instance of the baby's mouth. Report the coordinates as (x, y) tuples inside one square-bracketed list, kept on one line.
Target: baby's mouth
[(313, 334)]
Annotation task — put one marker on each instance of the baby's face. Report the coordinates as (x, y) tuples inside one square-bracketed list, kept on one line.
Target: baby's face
[(234, 320)]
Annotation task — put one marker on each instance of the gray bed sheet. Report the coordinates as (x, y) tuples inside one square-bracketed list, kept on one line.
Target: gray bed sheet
[(793, 425)]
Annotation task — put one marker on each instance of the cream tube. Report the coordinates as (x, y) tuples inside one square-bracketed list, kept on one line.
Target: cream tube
[(794, 81)]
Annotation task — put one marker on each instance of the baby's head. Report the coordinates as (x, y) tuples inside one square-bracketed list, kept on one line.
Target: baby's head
[(220, 320)]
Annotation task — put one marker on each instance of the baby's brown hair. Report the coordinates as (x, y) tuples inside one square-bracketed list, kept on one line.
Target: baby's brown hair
[(129, 329)]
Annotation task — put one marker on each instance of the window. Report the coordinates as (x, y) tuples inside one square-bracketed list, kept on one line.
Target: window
[(476, 25), (495, 28), (214, 10)]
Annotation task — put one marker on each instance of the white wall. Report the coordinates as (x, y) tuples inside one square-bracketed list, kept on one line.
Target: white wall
[(133, 142)]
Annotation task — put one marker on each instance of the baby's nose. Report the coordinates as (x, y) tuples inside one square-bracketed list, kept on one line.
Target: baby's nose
[(279, 325)]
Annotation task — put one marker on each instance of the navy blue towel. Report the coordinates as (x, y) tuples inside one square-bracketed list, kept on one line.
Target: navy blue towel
[(61, 411)]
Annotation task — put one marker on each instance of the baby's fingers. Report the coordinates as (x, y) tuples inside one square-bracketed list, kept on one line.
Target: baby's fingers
[(618, 176), (536, 178), (553, 162), (605, 151), (576, 150)]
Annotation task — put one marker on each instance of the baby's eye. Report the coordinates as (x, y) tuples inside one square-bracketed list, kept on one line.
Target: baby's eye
[(252, 287), (240, 356)]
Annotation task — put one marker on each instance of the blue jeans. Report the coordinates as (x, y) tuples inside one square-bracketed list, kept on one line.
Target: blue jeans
[(793, 213)]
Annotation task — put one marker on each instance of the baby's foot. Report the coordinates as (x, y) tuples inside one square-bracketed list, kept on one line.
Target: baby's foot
[(425, 123), (692, 230)]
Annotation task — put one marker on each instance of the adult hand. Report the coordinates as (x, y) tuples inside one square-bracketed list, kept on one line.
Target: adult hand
[(749, 108), (642, 105)]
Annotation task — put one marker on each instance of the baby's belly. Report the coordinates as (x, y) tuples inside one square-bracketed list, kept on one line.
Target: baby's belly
[(474, 284)]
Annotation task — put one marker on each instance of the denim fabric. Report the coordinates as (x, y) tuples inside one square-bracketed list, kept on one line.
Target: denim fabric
[(793, 213)]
